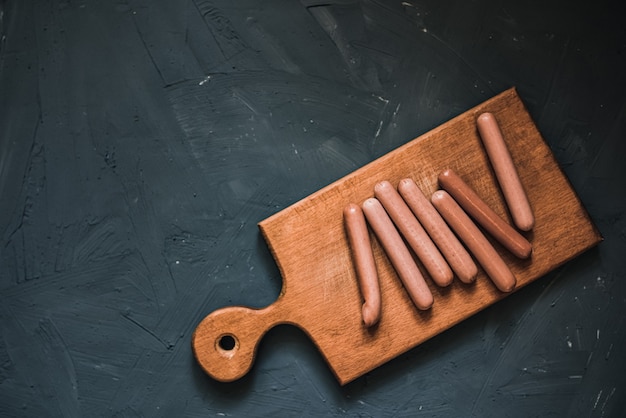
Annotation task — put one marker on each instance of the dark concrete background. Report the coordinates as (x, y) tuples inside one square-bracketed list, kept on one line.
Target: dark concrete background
[(142, 140)]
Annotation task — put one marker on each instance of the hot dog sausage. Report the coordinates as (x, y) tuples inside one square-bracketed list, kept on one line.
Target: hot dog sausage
[(506, 173), (364, 264), (454, 252), (467, 198), (478, 245), (398, 254), (414, 233)]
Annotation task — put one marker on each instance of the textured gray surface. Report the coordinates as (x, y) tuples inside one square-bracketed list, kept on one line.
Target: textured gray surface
[(141, 141)]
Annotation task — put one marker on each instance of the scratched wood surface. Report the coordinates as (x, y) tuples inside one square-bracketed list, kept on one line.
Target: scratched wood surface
[(320, 293)]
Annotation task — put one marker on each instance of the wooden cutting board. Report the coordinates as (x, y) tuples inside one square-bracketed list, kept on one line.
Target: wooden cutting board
[(320, 293)]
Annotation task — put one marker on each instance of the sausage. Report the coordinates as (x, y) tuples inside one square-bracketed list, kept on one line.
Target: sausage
[(467, 198), (506, 173), (414, 233), (398, 254), (487, 256), (364, 264), (454, 252)]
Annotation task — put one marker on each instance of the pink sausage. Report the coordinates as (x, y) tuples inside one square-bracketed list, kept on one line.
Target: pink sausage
[(414, 233), (398, 254), (469, 233), (467, 198), (365, 266), (454, 252), (506, 173)]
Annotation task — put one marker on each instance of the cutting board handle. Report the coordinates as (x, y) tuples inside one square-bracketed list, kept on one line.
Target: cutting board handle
[(225, 342)]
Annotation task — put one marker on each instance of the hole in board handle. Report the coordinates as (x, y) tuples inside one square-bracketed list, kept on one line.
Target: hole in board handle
[(227, 344)]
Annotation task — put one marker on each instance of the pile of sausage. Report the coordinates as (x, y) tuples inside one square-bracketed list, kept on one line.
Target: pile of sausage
[(435, 228)]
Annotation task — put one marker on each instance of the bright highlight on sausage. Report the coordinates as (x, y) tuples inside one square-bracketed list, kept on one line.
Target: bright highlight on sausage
[(414, 233), (457, 256), (487, 256), (467, 198), (398, 254), (365, 266), (506, 173)]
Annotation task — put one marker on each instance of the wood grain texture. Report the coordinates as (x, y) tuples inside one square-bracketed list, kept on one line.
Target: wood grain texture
[(320, 291)]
